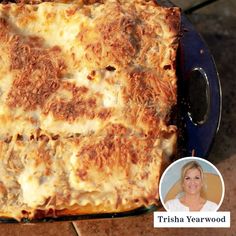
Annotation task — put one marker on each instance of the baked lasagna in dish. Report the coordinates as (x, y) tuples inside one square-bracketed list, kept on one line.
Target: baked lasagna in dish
[(86, 93)]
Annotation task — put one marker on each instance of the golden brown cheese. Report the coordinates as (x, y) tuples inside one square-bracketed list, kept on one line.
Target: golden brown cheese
[(86, 91)]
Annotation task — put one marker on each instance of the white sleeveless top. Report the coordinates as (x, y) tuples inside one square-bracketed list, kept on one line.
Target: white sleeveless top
[(176, 205)]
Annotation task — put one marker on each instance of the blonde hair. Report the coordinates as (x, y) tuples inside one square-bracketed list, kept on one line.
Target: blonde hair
[(191, 165)]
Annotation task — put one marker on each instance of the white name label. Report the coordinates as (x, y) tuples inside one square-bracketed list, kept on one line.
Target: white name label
[(219, 219)]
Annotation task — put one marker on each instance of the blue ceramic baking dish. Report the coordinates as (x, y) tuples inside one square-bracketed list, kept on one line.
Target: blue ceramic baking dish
[(199, 109)]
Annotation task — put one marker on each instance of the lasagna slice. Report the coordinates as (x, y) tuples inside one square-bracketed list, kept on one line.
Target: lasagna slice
[(86, 92)]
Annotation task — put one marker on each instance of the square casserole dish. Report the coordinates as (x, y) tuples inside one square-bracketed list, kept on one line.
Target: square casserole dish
[(89, 116)]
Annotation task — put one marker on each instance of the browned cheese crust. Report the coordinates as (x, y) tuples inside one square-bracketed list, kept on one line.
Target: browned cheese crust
[(86, 92)]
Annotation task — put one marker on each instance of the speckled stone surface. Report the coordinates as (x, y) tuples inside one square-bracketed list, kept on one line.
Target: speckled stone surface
[(217, 24), (42, 229)]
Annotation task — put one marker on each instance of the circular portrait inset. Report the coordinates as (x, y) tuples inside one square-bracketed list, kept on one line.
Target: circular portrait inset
[(191, 184)]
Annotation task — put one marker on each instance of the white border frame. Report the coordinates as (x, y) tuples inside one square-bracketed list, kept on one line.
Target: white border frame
[(192, 158)]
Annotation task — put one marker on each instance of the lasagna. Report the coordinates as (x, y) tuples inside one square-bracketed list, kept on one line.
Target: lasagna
[(86, 93)]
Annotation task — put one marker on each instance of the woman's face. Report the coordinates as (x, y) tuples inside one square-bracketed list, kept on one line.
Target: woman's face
[(192, 183)]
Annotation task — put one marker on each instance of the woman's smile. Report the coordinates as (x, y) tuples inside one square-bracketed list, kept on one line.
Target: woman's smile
[(192, 183)]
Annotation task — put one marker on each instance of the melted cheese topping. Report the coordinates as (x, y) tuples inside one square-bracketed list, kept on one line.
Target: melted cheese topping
[(85, 97)]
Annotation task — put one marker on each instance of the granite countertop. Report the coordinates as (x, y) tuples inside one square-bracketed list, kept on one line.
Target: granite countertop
[(217, 24)]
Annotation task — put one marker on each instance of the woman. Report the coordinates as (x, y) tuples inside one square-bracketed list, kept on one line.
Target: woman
[(192, 181)]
